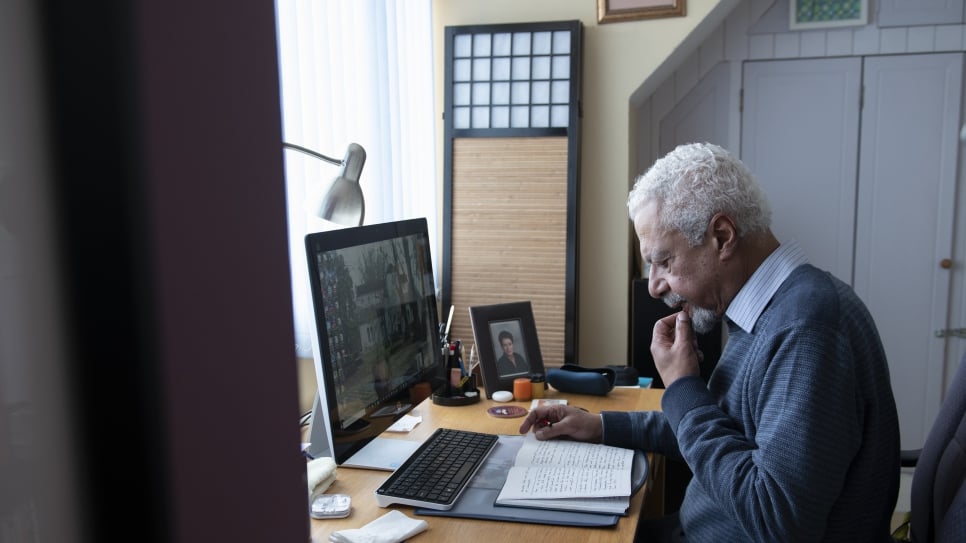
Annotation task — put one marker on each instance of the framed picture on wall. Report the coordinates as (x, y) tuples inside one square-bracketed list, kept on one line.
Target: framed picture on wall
[(815, 14), (506, 340), (615, 11)]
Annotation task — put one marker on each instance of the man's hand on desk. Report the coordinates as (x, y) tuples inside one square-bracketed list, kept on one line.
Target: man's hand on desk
[(553, 421)]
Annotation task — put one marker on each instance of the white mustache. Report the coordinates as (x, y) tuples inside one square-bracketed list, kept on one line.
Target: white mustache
[(673, 300)]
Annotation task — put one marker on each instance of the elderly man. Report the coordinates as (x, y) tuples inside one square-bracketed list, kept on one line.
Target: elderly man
[(795, 436)]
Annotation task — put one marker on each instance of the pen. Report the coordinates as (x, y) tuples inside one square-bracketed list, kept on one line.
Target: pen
[(449, 320), (470, 365), (459, 358)]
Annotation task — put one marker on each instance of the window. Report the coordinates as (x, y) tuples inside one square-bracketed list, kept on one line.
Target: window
[(511, 79), (357, 72)]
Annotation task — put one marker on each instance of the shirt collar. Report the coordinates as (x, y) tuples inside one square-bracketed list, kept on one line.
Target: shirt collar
[(754, 296)]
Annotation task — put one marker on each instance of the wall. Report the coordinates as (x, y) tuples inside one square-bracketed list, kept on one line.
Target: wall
[(36, 482), (211, 115), (150, 223), (758, 30), (618, 59)]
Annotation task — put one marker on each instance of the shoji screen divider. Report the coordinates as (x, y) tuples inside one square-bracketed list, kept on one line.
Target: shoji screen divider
[(511, 164)]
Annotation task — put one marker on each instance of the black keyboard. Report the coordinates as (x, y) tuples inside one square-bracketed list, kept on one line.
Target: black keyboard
[(435, 475)]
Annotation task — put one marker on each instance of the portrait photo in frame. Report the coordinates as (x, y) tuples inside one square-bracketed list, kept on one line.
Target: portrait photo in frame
[(506, 342)]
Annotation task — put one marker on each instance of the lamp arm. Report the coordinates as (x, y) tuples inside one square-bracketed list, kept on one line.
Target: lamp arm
[(311, 153)]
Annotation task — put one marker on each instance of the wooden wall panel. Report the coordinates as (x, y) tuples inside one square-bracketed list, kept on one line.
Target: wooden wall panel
[(509, 233)]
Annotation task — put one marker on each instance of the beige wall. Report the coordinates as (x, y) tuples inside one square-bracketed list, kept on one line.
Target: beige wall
[(618, 59)]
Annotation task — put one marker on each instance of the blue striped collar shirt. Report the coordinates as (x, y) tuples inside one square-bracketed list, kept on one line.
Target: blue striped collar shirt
[(752, 299)]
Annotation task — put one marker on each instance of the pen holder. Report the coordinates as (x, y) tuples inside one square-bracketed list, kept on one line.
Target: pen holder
[(464, 394)]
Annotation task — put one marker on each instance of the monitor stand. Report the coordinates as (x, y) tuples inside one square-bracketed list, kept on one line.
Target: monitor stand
[(382, 453)]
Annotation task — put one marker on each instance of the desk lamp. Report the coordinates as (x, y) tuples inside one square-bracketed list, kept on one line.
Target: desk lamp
[(343, 203)]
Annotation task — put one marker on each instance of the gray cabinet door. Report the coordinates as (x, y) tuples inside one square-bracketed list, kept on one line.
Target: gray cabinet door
[(799, 137), (920, 12), (906, 206), (884, 222)]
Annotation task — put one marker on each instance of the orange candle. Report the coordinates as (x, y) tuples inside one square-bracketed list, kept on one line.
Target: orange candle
[(521, 389)]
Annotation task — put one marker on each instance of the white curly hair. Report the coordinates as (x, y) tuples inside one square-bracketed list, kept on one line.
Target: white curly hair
[(694, 182)]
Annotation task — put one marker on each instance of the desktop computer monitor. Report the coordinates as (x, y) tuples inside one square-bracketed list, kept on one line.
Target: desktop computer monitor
[(376, 335)]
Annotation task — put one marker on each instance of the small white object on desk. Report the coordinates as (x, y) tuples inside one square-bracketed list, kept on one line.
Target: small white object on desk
[(405, 424), (392, 527), (502, 396), (546, 402)]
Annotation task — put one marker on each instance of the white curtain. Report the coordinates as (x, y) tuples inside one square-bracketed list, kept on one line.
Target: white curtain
[(356, 71)]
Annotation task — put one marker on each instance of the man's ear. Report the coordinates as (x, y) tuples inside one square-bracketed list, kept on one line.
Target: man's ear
[(724, 234)]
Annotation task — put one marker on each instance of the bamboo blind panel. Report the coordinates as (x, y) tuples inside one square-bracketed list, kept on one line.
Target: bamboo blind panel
[(509, 233)]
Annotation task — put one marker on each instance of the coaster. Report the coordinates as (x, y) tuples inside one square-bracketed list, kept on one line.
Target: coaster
[(507, 411)]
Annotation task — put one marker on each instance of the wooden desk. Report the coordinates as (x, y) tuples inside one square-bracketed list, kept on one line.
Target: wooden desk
[(362, 483)]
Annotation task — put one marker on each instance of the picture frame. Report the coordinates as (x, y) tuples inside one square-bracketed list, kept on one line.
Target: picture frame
[(492, 326), (615, 11), (818, 14)]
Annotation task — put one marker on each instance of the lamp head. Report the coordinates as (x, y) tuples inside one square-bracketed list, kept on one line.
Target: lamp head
[(344, 203)]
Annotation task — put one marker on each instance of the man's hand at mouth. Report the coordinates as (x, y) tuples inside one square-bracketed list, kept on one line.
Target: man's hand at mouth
[(674, 347)]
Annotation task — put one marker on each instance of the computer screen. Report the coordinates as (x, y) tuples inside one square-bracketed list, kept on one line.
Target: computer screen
[(376, 332)]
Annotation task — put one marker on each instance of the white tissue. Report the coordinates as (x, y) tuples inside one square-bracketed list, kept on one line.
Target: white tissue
[(392, 527), (405, 424), (320, 473)]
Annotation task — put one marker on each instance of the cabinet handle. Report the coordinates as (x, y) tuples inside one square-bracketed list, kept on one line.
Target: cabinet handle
[(952, 332), (945, 263)]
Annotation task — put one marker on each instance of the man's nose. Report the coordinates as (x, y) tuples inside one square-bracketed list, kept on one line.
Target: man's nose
[(656, 285)]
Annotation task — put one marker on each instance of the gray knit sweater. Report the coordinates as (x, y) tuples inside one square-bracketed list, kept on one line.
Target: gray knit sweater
[(795, 437)]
